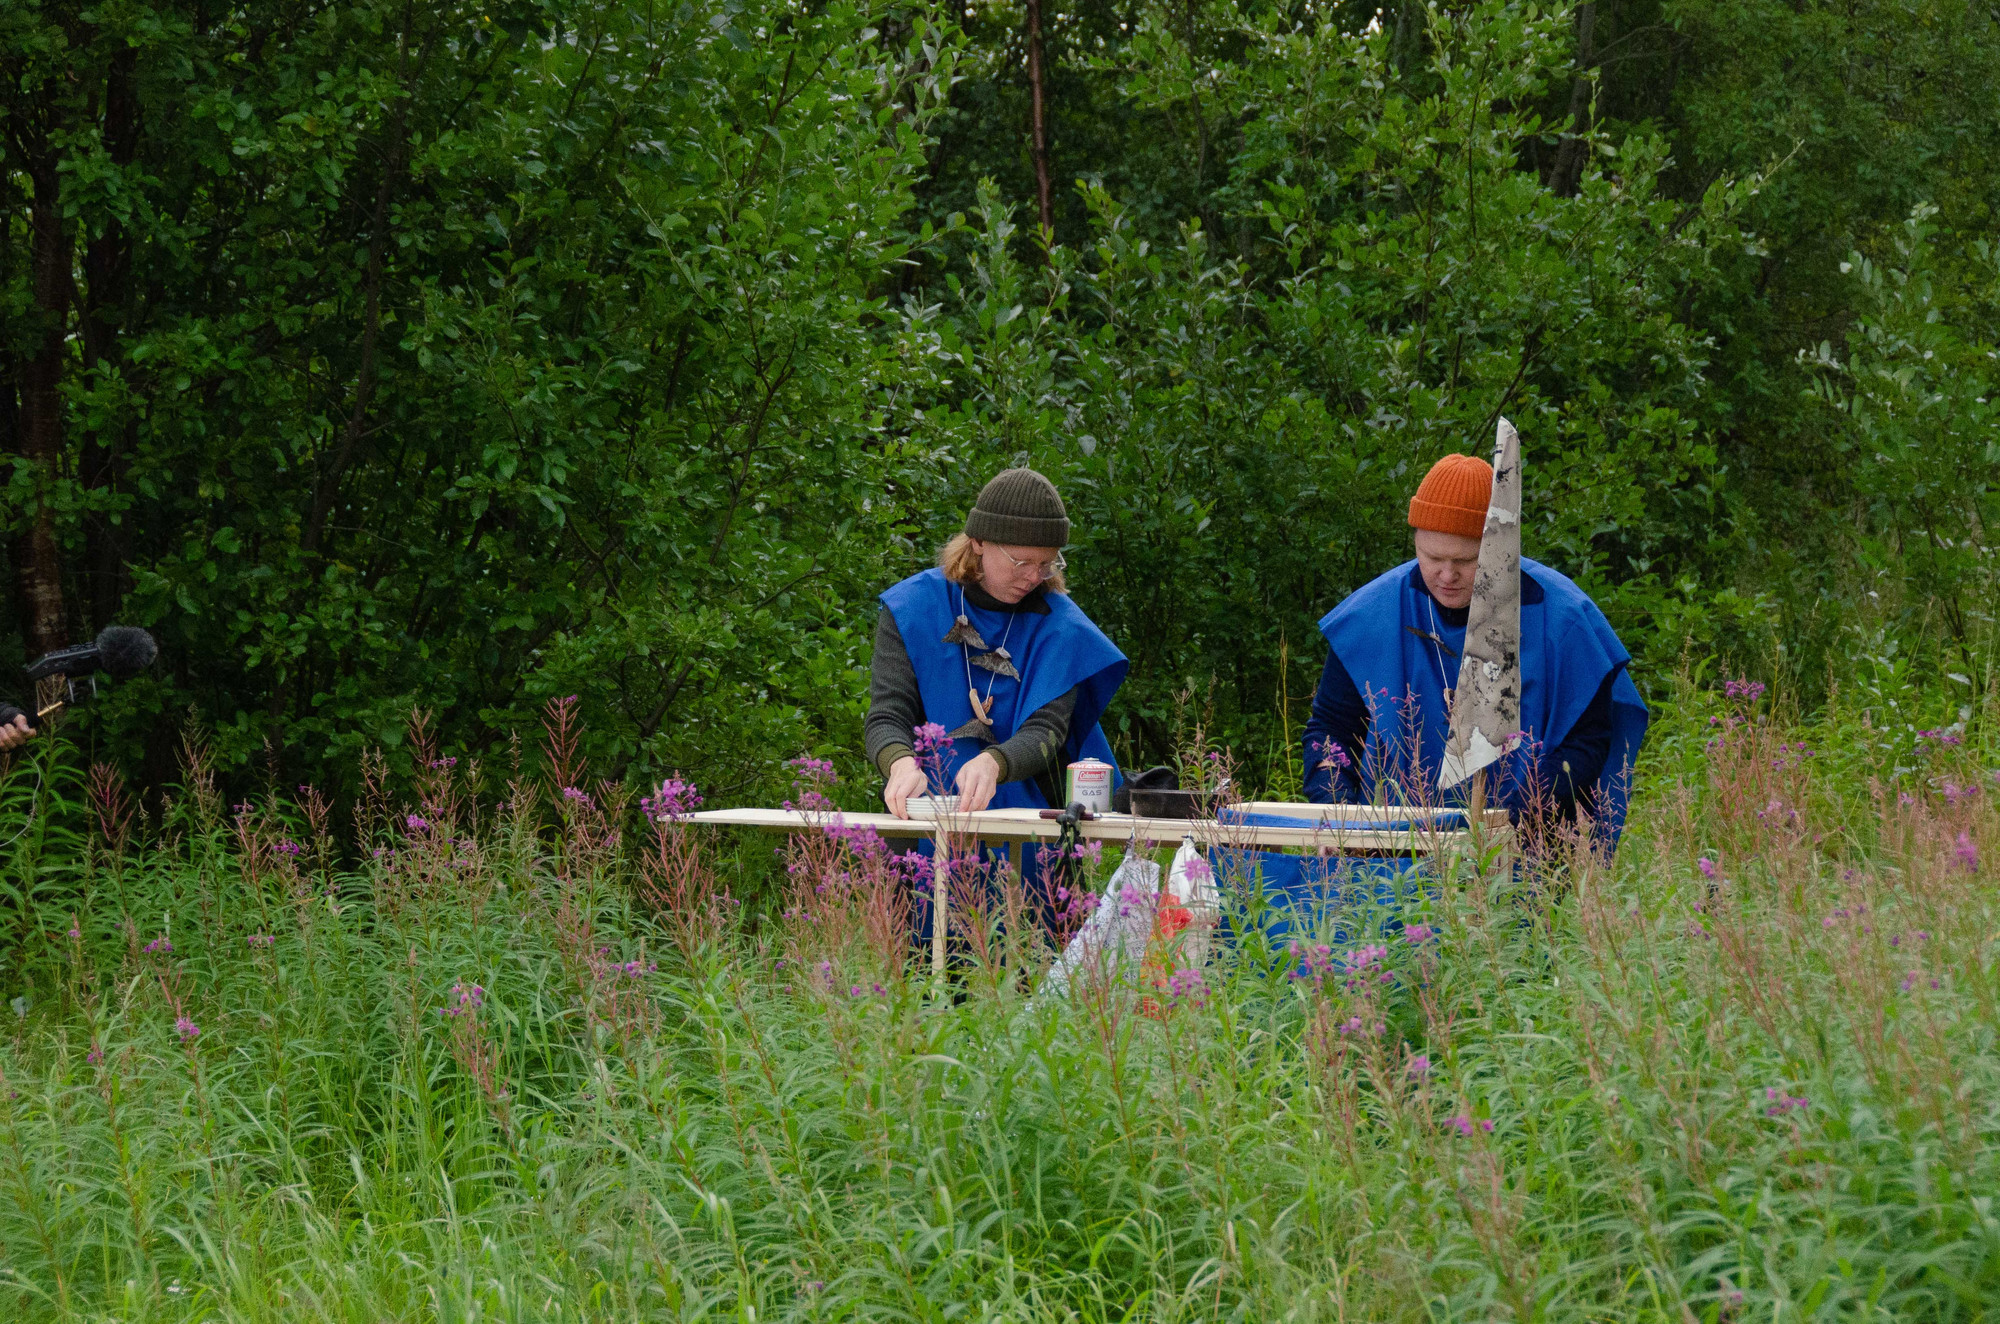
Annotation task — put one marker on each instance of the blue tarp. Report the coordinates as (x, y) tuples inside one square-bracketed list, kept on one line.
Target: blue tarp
[(1313, 898)]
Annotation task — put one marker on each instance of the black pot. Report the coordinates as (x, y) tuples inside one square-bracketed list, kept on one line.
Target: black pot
[(1158, 778), (1165, 804)]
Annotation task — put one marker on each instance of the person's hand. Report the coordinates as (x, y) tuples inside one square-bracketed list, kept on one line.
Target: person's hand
[(905, 780), (977, 781), (16, 732)]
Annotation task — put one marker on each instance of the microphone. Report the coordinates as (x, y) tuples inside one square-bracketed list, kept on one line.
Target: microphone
[(119, 651)]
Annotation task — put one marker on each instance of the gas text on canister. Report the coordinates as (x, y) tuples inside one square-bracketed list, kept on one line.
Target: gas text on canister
[(1088, 783)]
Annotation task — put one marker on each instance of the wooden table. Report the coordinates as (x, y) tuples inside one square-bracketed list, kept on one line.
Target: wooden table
[(1327, 828)]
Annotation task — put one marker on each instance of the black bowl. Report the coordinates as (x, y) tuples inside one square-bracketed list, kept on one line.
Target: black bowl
[(1165, 804)]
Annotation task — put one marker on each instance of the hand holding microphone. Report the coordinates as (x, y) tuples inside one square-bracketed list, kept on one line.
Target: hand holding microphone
[(119, 651)]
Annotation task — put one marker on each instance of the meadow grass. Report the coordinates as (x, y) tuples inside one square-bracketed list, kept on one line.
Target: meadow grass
[(529, 1059)]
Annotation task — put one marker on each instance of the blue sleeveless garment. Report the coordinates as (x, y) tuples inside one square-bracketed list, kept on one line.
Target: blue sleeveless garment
[(1053, 653), (1567, 650)]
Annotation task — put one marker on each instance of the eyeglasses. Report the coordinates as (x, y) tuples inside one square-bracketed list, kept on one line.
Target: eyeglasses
[(1042, 569)]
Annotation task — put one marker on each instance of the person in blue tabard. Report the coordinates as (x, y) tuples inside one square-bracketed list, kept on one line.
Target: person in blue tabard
[(988, 645), (1381, 712)]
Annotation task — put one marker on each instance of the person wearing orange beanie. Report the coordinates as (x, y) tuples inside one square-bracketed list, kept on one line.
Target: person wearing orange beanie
[(1382, 709)]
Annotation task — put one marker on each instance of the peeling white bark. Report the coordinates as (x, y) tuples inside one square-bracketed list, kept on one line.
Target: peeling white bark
[(1486, 707)]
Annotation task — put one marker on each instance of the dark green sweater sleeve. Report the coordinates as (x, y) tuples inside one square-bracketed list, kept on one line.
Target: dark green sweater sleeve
[(1037, 746), (895, 708)]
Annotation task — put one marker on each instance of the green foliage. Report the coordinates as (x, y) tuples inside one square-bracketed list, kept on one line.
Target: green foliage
[(1747, 1070), (465, 357)]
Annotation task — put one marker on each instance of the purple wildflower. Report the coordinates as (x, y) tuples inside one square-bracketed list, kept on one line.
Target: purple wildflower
[(186, 1029), (159, 947), (1707, 867), (1187, 986), (675, 800), (1778, 1103), (416, 822), (1419, 933), (1420, 1066), (1968, 853)]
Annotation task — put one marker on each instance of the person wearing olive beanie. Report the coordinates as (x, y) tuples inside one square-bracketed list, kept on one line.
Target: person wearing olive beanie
[(987, 649), (1382, 708)]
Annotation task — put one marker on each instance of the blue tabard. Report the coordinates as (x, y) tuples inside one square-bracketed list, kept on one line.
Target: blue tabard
[(1567, 649), (1052, 653)]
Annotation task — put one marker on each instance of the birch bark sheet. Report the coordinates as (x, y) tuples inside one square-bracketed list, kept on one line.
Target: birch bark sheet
[(1486, 706)]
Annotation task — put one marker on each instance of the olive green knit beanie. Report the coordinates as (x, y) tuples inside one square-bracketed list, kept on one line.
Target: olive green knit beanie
[(1019, 508)]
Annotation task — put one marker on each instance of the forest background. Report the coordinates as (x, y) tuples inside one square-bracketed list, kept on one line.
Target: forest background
[(460, 356)]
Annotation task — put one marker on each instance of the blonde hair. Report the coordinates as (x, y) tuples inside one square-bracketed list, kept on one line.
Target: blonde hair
[(959, 560)]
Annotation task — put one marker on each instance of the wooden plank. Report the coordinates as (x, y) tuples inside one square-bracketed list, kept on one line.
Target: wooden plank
[(1007, 825)]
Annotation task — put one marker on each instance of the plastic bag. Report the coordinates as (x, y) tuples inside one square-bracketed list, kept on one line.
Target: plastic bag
[(1120, 933)]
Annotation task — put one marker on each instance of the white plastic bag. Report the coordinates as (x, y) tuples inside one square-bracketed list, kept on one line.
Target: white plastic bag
[(1113, 940), (1191, 881)]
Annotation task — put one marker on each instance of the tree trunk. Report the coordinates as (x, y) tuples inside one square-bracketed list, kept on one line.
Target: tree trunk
[(107, 270), (1574, 154), (1038, 132), (37, 555)]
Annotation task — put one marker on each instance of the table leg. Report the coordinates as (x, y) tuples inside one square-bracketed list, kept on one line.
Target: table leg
[(940, 903)]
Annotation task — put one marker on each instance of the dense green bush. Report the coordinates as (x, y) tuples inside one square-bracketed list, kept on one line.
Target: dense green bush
[(464, 357)]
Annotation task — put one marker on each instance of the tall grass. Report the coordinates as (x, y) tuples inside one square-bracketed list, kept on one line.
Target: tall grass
[(529, 1059)]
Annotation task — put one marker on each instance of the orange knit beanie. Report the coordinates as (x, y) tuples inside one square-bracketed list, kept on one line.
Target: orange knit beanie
[(1453, 497)]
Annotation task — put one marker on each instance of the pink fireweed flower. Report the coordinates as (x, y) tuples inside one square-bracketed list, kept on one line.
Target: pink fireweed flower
[(94, 1056), (1188, 987), (674, 800), (467, 999), (416, 822), (1420, 1066), (159, 947), (186, 1029), (1967, 852), (1362, 958), (288, 847), (1707, 867), (75, 932), (1778, 1102), (260, 940), (576, 796), (1416, 933), (1331, 755), (931, 738)]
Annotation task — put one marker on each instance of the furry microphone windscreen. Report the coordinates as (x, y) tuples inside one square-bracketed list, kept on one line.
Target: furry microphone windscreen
[(125, 651)]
